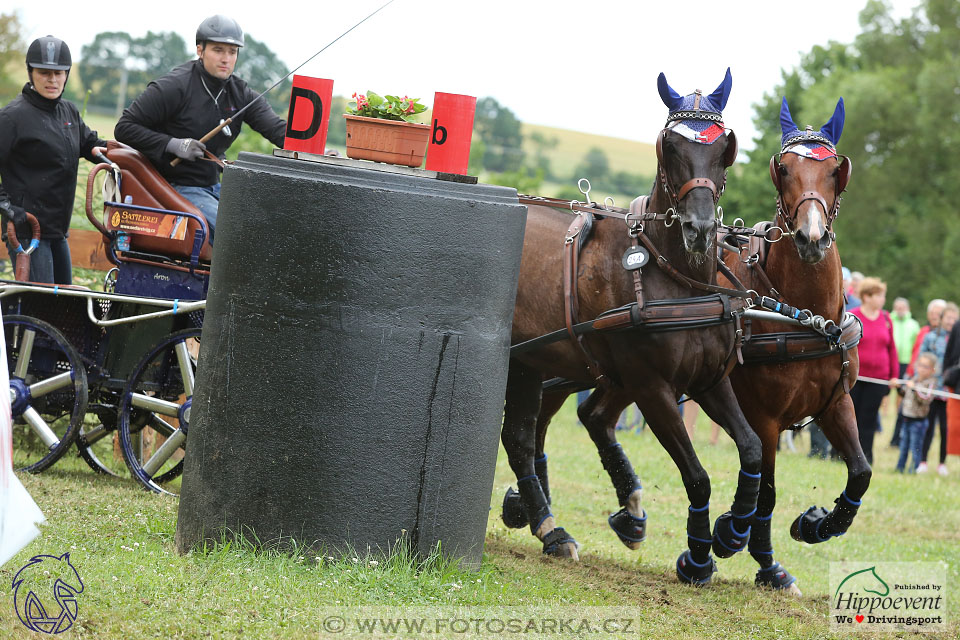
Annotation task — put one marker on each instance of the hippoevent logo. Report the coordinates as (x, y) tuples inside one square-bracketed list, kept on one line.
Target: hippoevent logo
[(45, 593), (888, 596)]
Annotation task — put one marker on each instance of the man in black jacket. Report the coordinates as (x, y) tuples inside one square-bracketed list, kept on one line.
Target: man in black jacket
[(167, 119), (41, 138)]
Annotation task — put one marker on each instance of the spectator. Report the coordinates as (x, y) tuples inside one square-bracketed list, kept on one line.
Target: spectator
[(951, 381), (878, 359), (935, 342), (850, 301), (934, 310), (916, 406), (905, 330), (856, 282)]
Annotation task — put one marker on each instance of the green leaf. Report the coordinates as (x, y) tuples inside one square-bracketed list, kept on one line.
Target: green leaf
[(374, 99)]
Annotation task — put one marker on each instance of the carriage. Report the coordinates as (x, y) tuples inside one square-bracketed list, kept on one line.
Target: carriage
[(113, 370)]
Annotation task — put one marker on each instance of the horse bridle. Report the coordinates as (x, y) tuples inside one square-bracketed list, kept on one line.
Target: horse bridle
[(676, 195), (843, 178)]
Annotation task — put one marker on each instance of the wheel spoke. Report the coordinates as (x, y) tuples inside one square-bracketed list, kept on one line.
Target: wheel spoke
[(157, 405), (50, 385), (95, 434), (36, 421), (186, 367), (26, 350), (161, 426), (167, 449)]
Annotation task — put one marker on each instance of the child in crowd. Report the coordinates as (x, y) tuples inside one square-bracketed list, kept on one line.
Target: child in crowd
[(915, 407)]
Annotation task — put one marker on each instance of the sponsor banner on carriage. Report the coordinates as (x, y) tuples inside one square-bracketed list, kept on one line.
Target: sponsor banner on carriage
[(888, 596), (147, 223), (534, 621)]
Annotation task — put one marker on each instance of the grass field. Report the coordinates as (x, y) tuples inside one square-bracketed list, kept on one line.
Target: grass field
[(121, 541)]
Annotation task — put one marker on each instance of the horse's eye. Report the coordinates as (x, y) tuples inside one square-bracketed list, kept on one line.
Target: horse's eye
[(782, 169)]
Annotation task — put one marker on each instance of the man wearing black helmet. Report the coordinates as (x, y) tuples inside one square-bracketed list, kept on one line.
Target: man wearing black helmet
[(166, 121), (41, 138)]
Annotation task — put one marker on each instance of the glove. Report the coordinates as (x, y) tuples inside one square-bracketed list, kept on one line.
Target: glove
[(13, 212), (186, 148)]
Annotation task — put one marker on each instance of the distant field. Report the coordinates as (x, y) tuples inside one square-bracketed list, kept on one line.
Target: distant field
[(624, 155)]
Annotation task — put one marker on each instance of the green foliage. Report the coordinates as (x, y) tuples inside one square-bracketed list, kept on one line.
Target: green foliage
[(373, 105), (524, 180), (501, 133), (900, 81), (12, 51), (261, 68)]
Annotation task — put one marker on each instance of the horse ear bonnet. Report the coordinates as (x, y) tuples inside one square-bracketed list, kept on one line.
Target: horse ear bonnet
[(698, 117)]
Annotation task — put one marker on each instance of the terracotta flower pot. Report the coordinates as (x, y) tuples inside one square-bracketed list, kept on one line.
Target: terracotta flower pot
[(391, 141)]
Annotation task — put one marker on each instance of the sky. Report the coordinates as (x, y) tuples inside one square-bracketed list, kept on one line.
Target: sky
[(586, 66)]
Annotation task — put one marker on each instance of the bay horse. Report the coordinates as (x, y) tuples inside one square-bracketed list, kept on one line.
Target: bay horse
[(651, 369), (804, 269)]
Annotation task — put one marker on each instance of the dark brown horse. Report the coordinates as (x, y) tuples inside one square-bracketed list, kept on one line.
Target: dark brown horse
[(802, 269), (651, 369)]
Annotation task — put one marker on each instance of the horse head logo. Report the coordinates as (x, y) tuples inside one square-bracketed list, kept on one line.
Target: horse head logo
[(865, 580), (45, 593)]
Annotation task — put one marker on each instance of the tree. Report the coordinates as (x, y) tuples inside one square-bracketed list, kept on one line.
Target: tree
[(900, 81), (12, 50), (595, 166), (542, 144), (261, 67), (500, 131)]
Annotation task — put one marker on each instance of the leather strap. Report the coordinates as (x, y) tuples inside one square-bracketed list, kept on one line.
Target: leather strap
[(570, 295)]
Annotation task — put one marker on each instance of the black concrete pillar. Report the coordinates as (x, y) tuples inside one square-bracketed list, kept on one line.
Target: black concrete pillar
[(353, 359)]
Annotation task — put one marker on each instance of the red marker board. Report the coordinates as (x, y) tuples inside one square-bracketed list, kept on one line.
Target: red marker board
[(451, 131), (309, 114)]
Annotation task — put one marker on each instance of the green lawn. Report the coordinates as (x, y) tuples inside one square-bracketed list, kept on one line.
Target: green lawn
[(121, 541)]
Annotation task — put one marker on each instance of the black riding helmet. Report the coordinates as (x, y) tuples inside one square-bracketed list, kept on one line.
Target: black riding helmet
[(220, 29), (49, 53)]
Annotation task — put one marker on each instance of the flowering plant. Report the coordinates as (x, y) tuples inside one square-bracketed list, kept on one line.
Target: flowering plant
[(372, 105)]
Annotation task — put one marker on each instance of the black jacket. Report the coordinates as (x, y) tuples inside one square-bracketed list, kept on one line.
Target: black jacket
[(40, 143), (178, 106)]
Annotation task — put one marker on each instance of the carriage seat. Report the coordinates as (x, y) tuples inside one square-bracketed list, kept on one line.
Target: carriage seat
[(146, 187)]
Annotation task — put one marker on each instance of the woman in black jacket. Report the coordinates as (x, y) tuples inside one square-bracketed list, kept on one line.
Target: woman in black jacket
[(41, 138)]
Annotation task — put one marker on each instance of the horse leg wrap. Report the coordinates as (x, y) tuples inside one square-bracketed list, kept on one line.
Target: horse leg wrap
[(759, 545), (805, 527), (732, 530), (534, 502), (698, 528), (540, 468), (774, 576), (691, 572), (630, 529), (839, 520), (729, 535), (513, 513), (624, 480), (553, 543)]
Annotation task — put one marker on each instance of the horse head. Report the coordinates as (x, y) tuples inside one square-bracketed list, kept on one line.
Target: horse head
[(809, 177), (694, 151)]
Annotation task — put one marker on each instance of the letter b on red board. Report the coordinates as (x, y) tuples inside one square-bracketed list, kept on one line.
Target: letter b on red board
[(309, 114), (451, 131)]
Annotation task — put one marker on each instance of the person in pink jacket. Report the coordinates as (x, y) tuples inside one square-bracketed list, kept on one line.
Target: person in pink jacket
[(878, 359)]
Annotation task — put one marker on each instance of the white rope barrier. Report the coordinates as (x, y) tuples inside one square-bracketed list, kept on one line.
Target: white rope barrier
[(934, 392)]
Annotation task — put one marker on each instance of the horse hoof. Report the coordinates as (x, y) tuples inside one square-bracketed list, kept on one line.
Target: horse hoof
[(726, 539), (630, 529), (776, 577), (689, 572), (513, 514), (805, 527), (560, 544)]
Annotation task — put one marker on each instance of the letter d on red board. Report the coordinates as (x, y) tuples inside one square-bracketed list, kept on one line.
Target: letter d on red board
[(451, 130), (309, 114)]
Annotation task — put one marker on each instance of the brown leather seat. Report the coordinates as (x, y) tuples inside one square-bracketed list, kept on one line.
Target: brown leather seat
[(147, 188)]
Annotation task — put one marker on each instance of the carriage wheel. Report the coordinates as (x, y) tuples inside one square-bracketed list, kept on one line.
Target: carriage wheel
[(155, 410), (48, 389), (98, 443)]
